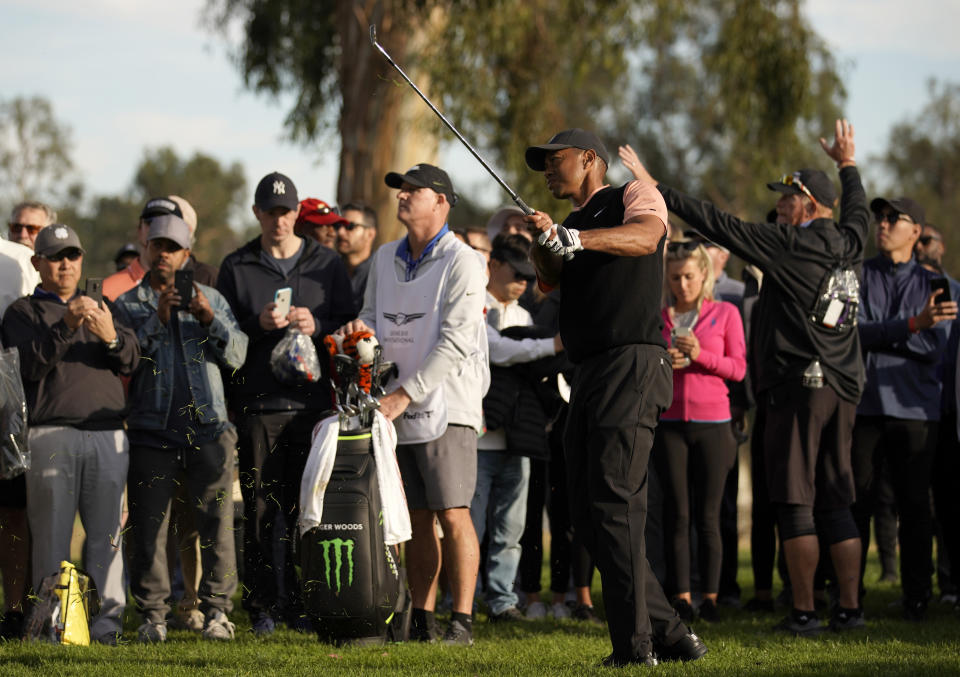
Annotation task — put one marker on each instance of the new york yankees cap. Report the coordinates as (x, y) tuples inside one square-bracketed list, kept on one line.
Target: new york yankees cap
[(275, 190)]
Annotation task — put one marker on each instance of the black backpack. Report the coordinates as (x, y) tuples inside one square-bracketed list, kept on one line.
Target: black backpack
[(354, 590)]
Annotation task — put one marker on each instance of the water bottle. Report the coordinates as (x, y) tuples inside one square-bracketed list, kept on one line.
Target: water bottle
[(813, 376)]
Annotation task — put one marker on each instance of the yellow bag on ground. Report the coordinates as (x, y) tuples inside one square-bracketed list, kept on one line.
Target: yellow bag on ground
[(72, 627)]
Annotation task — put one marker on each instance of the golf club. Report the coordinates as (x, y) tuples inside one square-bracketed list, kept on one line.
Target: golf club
[(510, 191)]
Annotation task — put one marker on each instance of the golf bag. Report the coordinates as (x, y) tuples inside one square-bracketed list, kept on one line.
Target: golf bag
[(354, 590)]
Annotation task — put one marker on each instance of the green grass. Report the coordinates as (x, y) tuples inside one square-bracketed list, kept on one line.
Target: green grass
[(740, 644)]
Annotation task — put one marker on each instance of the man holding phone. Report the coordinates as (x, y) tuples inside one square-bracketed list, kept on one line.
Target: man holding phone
[(903, 330), (178, 429), (275, 419), (72, 355)]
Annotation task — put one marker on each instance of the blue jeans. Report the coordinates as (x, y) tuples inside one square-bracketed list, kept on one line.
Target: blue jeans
[(500, 500)]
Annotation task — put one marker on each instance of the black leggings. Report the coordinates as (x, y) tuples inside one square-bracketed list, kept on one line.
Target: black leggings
[(692, 462), (548, 489)]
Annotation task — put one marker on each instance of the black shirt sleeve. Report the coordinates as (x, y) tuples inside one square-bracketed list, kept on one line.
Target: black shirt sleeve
[(761, 244)]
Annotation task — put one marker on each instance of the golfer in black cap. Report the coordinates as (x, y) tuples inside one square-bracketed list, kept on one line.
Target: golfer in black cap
[(608, 258), (809, 373), (424, 300)]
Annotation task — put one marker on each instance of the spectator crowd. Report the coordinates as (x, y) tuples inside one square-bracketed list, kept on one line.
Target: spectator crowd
[(154, 413)]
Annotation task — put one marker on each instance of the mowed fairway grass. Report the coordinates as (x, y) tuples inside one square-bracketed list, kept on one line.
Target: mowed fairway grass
[(740, 644)]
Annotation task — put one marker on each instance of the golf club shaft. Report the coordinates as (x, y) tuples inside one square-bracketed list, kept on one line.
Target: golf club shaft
[(516, 198)]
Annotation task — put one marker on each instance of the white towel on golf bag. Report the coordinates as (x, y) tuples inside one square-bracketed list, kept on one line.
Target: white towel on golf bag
[(319, 467)]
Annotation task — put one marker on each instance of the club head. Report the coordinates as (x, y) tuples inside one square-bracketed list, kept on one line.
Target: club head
[(346, 367), (373, 34)]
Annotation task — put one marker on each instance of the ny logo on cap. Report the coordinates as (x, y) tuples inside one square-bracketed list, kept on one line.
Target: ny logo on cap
[(279, 188)]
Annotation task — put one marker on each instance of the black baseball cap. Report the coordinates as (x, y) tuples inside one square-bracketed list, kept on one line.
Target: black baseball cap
[(900, 205), (160, 206), (424, 176), (519, 261), (128, 248), (275, 190), (568, 138), (815, 181)]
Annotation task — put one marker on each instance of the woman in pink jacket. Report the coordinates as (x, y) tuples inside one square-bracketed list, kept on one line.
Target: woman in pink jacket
[(694, 447)]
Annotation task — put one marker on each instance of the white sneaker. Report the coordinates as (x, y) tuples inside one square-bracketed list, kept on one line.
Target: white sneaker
[(536, 610), (560, 611), (218, 626), (150, 633)]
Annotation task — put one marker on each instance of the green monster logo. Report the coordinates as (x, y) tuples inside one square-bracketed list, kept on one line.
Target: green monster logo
[(338, 545)]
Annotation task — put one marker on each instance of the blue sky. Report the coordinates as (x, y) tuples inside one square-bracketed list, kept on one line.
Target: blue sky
[(125, 75)]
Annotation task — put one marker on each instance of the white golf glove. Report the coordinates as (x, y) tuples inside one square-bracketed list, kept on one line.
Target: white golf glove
[(565, 243)]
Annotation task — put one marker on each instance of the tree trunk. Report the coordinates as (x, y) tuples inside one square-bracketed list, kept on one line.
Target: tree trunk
[(384, 126)]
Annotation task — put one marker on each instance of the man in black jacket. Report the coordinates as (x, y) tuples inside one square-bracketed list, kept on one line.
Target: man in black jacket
[(274, 419), (72, 354), (808, 367)]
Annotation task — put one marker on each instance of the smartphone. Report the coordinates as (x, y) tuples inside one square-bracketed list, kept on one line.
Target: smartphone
[(282, 298), (183, 281), (95, 289), (940, 284), (680, 331)]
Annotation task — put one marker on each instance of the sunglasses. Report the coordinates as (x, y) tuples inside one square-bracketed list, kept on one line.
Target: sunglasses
[(16, 227), (925, 239), (893, 217), (794, 180), (323, 211), (687, 246), (350, 226), (69, 254)]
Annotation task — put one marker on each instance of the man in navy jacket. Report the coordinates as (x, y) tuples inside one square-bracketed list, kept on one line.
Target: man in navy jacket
[(903, 334)]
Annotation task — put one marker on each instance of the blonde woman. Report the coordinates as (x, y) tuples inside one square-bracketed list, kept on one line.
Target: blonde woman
[(694, 447)]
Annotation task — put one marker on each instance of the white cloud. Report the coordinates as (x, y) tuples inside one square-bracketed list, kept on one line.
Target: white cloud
[(917, 27)]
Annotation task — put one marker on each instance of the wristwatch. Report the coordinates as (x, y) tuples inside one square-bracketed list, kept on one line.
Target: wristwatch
[(114, 344)]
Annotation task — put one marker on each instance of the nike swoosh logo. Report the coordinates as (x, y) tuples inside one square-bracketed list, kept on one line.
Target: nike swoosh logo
[(598, 213)]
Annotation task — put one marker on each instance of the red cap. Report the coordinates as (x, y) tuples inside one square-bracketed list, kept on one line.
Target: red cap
[(319, 212)]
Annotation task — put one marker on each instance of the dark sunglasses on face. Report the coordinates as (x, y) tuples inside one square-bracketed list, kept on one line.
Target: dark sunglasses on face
[(925, 239), (349, 226), (892, 218), (69, 254), (688, 246), (16, 227)]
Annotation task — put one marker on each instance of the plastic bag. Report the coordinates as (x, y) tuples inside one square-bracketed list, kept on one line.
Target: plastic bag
[(14, 451), (837, 300), (294, 360)]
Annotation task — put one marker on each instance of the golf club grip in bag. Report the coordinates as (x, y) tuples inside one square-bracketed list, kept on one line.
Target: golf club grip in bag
[(353, 588)]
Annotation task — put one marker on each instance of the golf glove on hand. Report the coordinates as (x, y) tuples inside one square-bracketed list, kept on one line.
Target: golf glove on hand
[(566, 242)]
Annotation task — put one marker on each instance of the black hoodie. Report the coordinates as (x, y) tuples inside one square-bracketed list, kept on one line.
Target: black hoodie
[(319, 281)]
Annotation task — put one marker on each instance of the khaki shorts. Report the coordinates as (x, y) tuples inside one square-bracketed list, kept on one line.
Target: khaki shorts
[(442, 473)]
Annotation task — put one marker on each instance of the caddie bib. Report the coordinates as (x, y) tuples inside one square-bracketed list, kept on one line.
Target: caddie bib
[(408, 328)]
